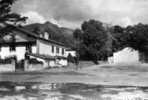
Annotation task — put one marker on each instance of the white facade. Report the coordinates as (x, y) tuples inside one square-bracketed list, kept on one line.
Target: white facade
[(19, 52), (72, 52), (45, 48), (46, 35), (127, 55), (50, 49)]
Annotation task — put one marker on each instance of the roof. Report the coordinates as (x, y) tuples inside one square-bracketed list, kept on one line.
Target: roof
[(29, 33), (46, 57), (16, 43)]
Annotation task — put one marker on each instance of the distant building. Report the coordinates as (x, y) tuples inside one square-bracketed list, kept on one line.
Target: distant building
[(70, 52), (26, 45), (126, 55)]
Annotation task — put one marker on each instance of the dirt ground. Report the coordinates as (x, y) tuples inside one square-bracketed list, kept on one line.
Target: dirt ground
[(104, 74)]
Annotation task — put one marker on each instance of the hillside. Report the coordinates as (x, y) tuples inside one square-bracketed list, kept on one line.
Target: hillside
[(64, 35)]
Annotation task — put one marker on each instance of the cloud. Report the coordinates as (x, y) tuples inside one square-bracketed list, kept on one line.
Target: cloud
[(72, 13), (126, 21), (34, 17)]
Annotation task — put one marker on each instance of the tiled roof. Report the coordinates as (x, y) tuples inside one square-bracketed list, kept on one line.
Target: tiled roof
[(29, 33)]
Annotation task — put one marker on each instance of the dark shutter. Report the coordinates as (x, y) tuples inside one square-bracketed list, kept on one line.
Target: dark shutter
[(52, 49), (12, 47), (57, 49), (62, 51)]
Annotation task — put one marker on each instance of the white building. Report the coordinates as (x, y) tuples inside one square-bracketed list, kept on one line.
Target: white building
[(25, 44), (71, 52), (126, 55)]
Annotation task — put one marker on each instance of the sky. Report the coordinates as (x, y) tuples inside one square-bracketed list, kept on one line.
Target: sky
[(72, 13)]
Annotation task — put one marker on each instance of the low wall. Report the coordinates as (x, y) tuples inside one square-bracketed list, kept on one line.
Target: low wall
[(46, 64), (7, 67), (58, 63), (34, 67)]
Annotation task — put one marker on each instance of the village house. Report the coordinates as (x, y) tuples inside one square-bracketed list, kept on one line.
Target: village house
[(25, 45), (126, 56), (70, 52)]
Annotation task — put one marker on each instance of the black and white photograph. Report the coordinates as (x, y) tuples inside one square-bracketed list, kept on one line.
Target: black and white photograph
[(73, 49)]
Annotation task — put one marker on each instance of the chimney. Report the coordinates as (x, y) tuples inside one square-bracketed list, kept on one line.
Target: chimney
[(41, 35), (46, 35)]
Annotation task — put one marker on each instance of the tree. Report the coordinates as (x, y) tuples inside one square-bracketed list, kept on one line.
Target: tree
[(97, 42), (94, 39), (78, 38), (77, 34), (120, 38), (70, 58), (6, 15), (137, 37)]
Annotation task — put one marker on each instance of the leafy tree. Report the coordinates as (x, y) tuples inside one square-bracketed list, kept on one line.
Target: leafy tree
[(132, 36), (78, 38), (6, 16), (97, 42), (137, 37), (70, 58), (5, 12), (118, 33), (94, 39), (77, 34)]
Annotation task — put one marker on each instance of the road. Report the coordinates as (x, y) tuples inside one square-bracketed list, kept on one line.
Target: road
[(125, 75)]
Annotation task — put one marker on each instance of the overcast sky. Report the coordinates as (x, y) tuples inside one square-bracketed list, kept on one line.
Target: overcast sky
[(71, 13)]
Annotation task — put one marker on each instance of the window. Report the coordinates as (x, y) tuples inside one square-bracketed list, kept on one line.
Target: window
[(52, 49), (57, 49), (12, 48), (62, 51), (28, 48)]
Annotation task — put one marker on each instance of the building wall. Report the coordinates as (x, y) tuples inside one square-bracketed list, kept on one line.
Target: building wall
[(73, 53), (127, 55), (19, 52), (34, 49), (47, 49)]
